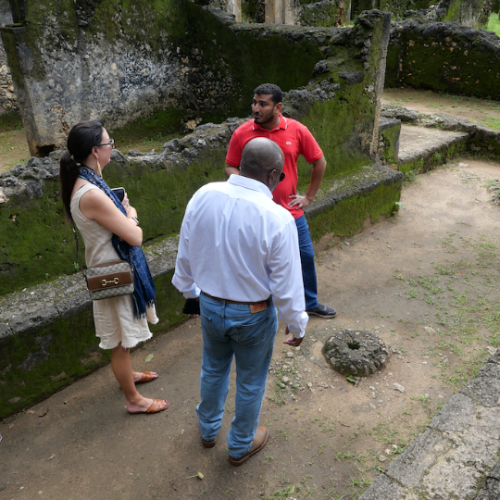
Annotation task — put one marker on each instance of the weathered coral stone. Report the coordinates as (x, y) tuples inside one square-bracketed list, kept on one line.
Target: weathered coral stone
[(354, 352)]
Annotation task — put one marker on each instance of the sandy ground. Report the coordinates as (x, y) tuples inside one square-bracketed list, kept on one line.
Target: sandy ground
[(482, 111), (424, 280)]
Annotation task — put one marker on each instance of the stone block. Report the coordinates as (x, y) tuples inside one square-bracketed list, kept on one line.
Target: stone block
[(385, 489), (485, 388), (422, 453)]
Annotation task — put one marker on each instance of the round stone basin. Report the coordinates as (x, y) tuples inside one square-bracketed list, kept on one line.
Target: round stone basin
[(355, 352)]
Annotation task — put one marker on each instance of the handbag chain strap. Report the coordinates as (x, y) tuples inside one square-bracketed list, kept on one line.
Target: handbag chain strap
[(76, 263)]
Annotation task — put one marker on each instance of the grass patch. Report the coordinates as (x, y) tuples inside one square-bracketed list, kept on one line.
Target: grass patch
[(149, 133), (494, 24), (491, 122), (10, 121), (464, 296)]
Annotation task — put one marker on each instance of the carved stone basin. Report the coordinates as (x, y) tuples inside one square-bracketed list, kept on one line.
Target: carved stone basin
[(355, 352)]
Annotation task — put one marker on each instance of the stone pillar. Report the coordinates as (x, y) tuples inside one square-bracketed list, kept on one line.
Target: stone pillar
[(379, 84), (7, 94), (234, 7), (281, 11)]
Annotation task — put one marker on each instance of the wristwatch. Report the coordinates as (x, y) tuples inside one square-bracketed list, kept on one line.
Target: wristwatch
[(135, 219)]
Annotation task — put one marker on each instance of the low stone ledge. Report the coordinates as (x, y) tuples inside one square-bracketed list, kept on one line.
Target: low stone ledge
[(422, 148), (457, 455), (362, 181), (36, 307), (479, 138)]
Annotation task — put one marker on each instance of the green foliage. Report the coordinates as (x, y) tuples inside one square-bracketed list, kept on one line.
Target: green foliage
[(494, 23), (10, 121), (160, 125)]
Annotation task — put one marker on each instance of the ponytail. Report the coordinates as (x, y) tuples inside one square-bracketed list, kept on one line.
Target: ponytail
[(68, 173), (81, 139)]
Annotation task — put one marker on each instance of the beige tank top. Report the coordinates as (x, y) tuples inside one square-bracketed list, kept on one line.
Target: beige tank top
[(97, 239)]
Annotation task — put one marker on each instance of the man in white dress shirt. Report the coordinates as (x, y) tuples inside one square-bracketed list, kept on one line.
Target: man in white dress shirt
[(240, 250)]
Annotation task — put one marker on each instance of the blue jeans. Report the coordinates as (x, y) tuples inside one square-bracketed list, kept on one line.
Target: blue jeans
[(307, 260), (231, 329)]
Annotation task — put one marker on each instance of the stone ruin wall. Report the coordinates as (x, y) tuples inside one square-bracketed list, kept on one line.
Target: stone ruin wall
[(471, 13), (444, 57), (335, 76), (325, 13)]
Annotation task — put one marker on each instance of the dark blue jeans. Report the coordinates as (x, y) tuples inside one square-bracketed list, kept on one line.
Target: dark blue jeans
[(307, 259), (232, 330)]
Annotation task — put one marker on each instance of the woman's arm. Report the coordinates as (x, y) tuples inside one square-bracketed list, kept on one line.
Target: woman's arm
[(96, 205)]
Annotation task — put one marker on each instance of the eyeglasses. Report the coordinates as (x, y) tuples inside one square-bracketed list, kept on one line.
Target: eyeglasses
[(110, 143), (282, 175)]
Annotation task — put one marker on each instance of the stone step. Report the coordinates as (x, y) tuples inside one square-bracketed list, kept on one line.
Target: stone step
[(456, 456), (422, 148), (429, 140)]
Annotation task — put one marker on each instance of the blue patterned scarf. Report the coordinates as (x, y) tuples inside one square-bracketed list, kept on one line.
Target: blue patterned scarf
[(144, 287)]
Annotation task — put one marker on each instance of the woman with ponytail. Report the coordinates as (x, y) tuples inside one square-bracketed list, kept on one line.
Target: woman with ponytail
[(110, 230)]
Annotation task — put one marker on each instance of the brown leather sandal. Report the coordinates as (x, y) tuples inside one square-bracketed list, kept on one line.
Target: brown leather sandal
[(146, 377), (156, 406)]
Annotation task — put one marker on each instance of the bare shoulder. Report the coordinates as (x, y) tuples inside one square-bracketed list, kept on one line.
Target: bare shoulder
[(95, 196)]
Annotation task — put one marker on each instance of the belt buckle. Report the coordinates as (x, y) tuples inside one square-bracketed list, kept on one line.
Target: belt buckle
[(255, 308)]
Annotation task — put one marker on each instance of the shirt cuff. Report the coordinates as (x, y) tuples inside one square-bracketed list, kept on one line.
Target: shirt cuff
[(193, 293), (296, 330)]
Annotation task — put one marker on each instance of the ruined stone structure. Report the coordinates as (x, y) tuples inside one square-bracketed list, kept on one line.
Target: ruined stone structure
[(444, 57), (300, 12), (396, 7), (471, 13)]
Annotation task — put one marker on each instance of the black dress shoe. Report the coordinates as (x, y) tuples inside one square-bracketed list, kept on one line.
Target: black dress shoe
[(322, 311)]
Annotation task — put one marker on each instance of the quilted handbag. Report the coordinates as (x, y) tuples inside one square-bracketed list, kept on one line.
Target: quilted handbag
[(110, 279)]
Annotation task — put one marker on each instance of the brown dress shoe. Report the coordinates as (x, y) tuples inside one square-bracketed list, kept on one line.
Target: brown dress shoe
[(259, 441), (209, 444)]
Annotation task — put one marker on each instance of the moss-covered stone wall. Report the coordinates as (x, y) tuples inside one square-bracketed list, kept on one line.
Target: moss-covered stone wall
[(339, 106), (444, 57), (325, 13), (396, 7), (36, 363), (472, 13), (118, 61)]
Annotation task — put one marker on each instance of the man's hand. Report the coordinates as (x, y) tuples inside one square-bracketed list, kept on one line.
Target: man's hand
[(291, 340), (299, 201)]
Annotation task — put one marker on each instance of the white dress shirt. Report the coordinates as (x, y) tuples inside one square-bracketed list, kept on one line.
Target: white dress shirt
[(237, 244)]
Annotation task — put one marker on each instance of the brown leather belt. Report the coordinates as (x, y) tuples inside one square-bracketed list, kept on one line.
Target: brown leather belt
[(260, 303)]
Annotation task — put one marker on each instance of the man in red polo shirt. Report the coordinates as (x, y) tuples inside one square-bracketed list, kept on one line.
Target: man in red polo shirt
[(294, 139)]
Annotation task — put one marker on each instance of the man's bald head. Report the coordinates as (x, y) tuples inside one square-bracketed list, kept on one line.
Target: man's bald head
[(260, 157)]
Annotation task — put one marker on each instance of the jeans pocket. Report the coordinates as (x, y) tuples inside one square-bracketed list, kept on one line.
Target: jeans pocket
[(206, 325), (252, 329)]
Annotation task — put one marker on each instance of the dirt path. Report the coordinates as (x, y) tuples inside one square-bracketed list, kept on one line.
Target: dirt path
[(426, 280), (483, 111)]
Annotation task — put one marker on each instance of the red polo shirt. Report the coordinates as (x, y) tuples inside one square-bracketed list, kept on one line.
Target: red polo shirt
[(294, 139)]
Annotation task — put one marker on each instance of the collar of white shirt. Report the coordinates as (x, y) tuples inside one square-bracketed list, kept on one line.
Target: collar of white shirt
[(246, 182)]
